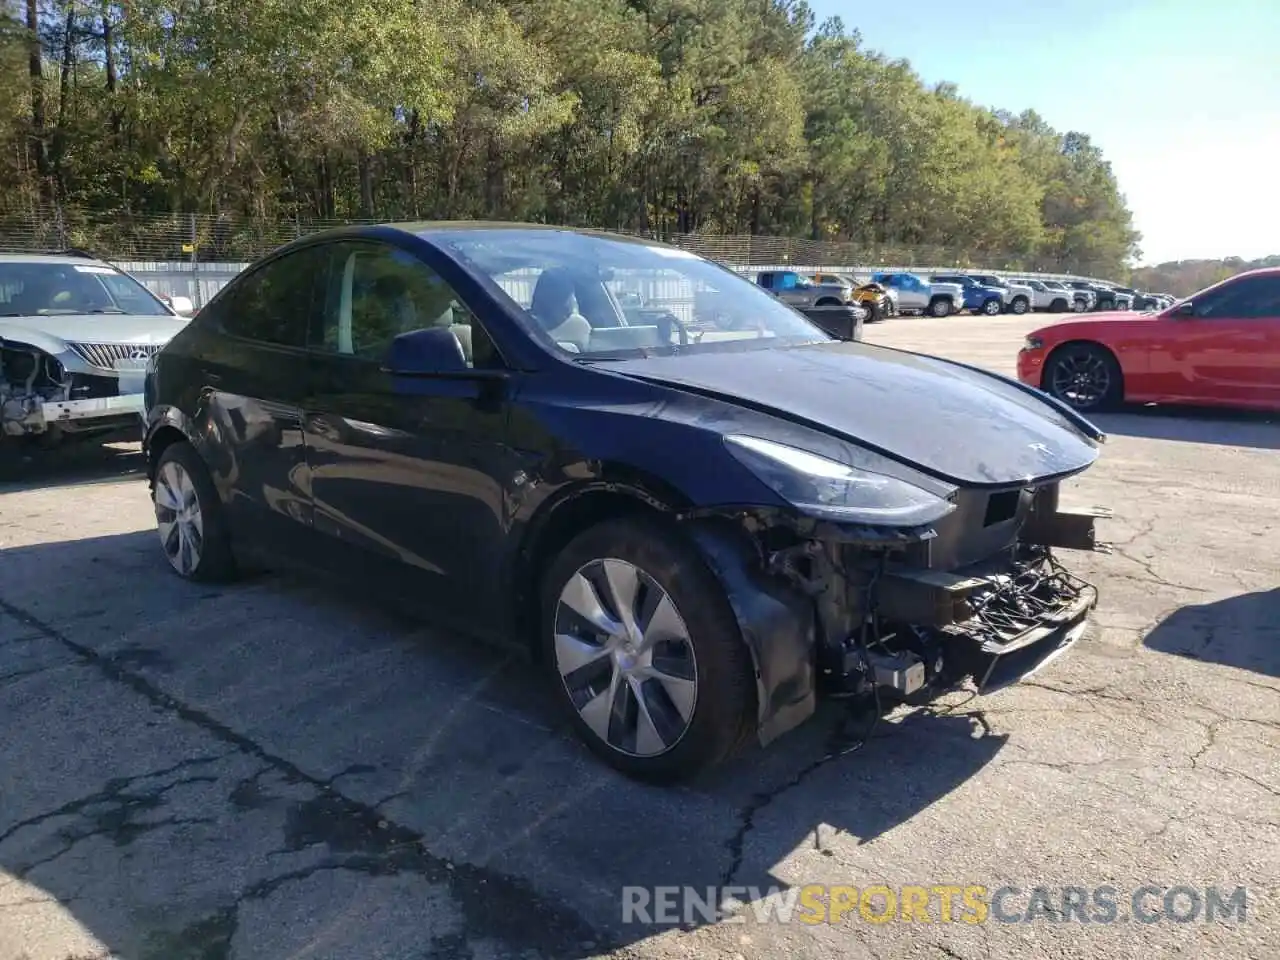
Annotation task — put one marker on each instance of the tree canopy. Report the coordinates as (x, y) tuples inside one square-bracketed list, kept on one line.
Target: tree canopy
[(1184, 277), (662, 116)]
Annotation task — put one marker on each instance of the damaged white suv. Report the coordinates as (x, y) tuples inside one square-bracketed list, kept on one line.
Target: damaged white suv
[(76, 335)]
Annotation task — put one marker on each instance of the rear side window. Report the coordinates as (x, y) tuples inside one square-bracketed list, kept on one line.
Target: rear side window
[(274, 303)]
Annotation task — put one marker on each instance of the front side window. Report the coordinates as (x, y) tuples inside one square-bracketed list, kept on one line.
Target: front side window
[(375, 292), (48, 289), (1251, 298), (571, 288), (275, 302)]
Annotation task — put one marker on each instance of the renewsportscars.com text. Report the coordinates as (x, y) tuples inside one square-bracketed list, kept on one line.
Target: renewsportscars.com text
[(934, 903)]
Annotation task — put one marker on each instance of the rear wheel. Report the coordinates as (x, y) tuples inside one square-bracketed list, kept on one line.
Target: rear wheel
[(991, 307), (189, 517), (1084, 376), (1059, 306), (1019, 305), (1078, 305), (940, 307), (644, 652)]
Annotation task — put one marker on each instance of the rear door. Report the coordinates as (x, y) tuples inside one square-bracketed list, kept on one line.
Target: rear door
[(409, 482), (254, 372)]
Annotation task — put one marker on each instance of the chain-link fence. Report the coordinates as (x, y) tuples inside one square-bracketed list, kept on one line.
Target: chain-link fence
[(197, 238)]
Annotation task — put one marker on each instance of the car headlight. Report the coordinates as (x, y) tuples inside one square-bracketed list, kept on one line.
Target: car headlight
[(822, 487), (1033, 343)]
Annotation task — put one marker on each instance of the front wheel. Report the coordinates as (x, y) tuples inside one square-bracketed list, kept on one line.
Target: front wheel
[(1084, 376), (189, 517), (940, 307), (1079, 306), (644, 652), (991, 307), (1019, 305), (1058, 306)]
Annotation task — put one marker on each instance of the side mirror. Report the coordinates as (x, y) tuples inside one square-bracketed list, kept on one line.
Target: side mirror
[(1185, 309), (182, 306), (431, 351)]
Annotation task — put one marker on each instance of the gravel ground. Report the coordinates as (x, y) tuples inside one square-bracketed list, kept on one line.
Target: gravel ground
[(265, 771)]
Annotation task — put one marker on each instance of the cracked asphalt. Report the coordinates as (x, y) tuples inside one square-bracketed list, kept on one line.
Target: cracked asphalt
[(268, 771)]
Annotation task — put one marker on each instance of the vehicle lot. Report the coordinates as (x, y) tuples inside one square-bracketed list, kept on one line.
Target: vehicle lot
[(262, 771)]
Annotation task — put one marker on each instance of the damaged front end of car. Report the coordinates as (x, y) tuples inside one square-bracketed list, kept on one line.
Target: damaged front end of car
[(970, 589), (42, 399), (29, 378)]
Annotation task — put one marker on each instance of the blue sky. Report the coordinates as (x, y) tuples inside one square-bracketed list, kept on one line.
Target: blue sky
[(1183, 97)]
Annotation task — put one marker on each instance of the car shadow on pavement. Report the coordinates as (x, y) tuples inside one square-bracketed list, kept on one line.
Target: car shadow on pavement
[(263, 770), (29, 468), (1194, 425), (1241, 631)]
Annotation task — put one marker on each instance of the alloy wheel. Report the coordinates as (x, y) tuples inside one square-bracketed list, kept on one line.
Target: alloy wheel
[(991, 308), (624, 655), (178, 518), (1081, 379)]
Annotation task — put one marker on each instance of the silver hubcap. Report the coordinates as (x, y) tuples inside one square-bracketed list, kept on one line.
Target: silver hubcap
[(1081, 379), (992, 308), (624, 655), (178, 518)]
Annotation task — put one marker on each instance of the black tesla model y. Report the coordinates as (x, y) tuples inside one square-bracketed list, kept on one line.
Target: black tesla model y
[(698, 512)]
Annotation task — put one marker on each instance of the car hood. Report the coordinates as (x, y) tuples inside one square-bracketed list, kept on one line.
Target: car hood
[(97, 328), (958, 424), (1090, 321)]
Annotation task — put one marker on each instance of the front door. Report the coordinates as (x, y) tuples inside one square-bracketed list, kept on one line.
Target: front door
[(408, 482), (1229, 344)]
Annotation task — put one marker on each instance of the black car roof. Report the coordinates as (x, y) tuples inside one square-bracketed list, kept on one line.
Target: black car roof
[(427, 228)]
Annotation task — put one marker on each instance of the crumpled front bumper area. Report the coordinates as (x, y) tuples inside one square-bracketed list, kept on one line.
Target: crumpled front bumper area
[(32, 415), (1018, 622)]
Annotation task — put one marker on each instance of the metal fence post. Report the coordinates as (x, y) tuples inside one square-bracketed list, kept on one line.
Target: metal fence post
[(196, 297)]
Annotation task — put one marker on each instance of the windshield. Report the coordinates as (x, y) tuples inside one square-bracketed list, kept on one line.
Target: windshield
[(35, 289), (600, 297)]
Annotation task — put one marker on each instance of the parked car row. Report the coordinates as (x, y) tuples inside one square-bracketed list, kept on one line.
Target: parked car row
[(943, 294)]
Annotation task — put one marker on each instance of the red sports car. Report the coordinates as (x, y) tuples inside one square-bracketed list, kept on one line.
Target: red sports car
[(1219, 347)]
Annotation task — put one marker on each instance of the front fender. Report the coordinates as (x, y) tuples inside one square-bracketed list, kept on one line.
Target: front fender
[(777, 624)]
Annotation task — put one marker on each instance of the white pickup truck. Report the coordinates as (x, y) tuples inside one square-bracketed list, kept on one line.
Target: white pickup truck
[(1055, 299), (916, 293), (1017, 296)]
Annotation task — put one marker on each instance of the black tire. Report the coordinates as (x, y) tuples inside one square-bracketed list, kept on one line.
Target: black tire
[(724, 710), (874, 313), (940, 307), (1059, 306), (1106, 305), (1078, 355), (991, 307), (215, 561), (1020, 305)]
